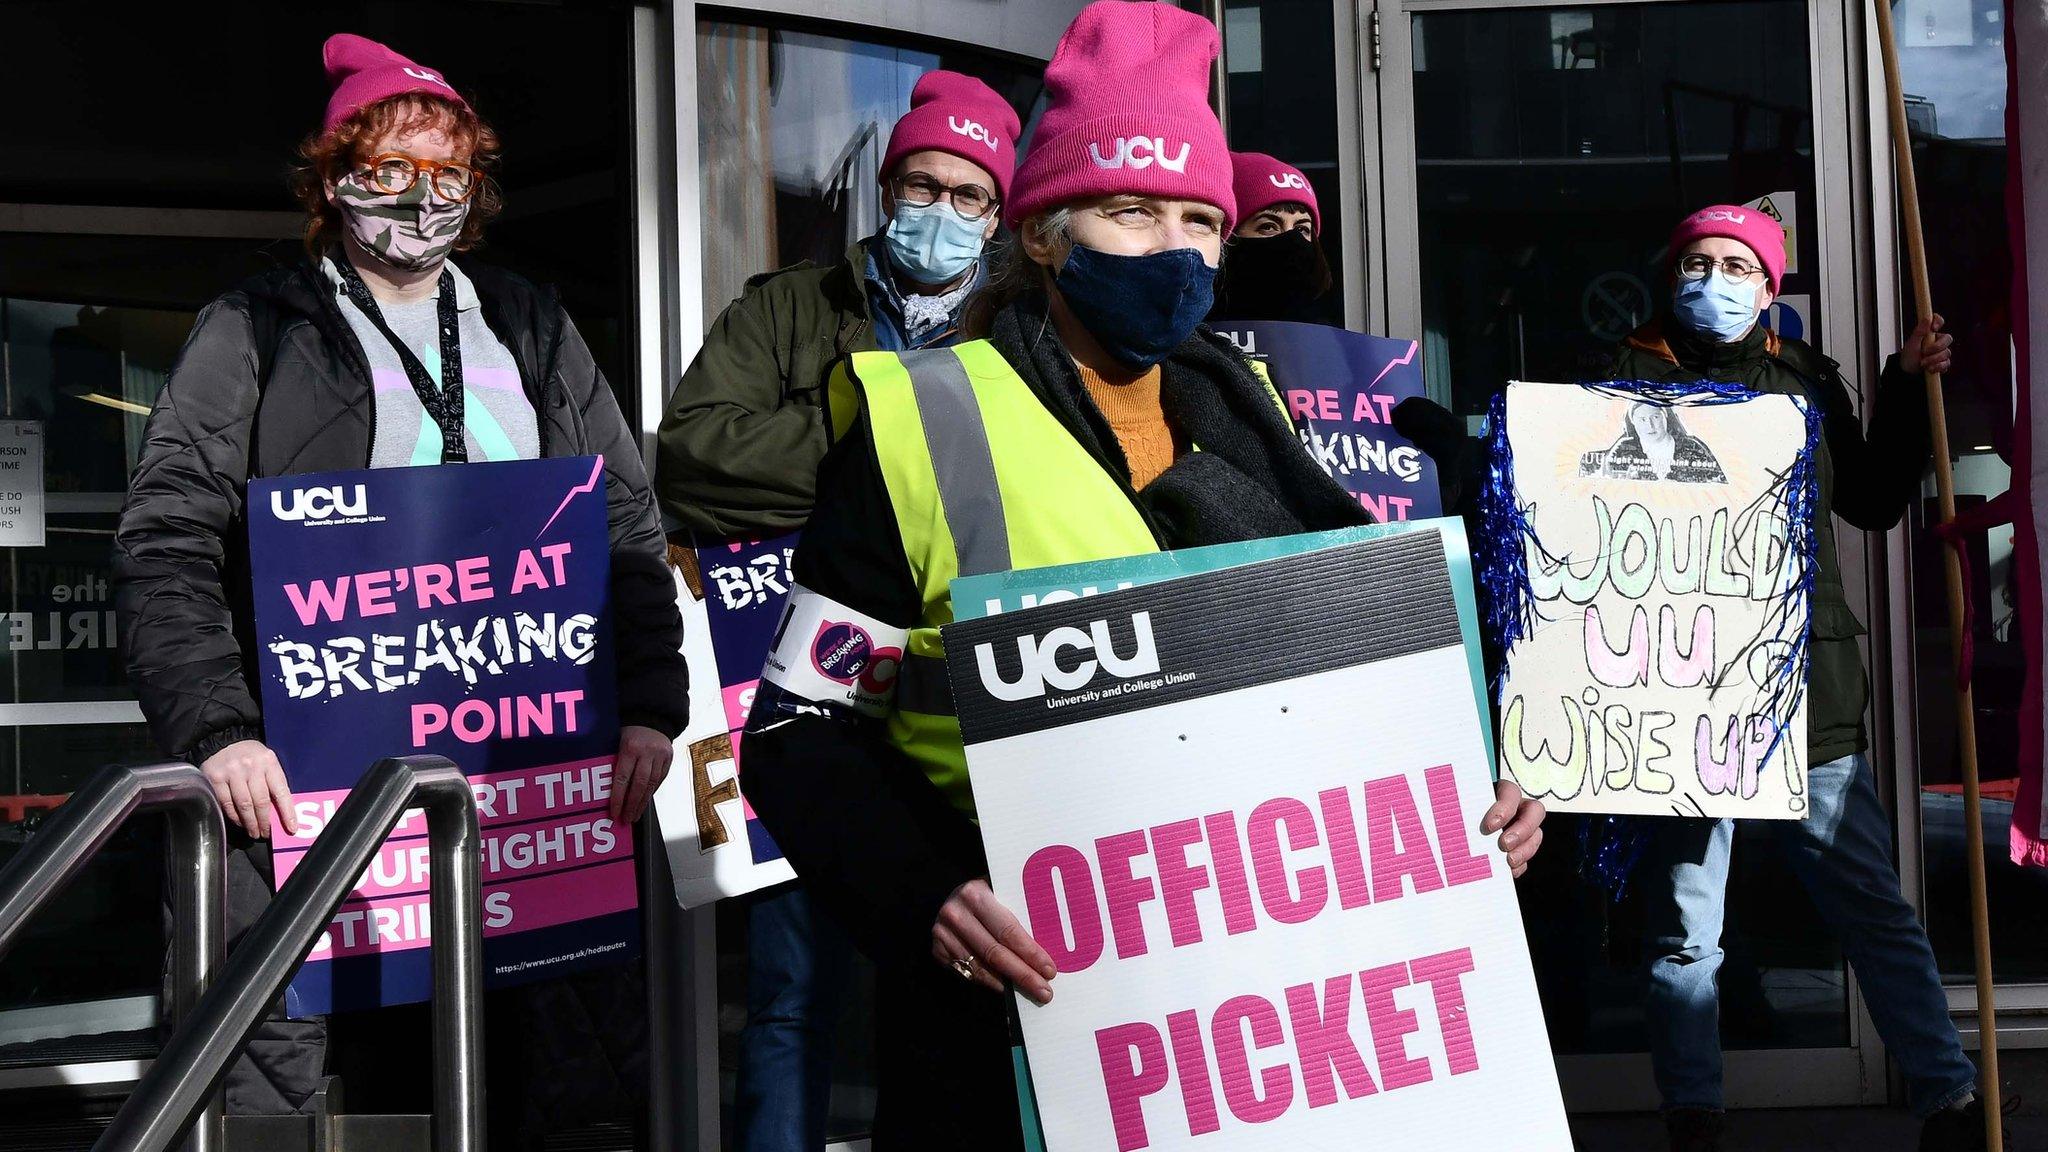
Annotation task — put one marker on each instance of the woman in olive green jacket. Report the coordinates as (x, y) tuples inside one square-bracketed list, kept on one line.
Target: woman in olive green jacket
[(739, 452), (744, 431)]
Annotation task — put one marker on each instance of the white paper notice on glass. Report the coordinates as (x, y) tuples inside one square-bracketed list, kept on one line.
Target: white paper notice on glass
[(21, 483), (1240, 810), (1784, 208)]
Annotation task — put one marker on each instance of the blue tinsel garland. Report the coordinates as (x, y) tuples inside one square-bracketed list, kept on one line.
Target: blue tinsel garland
[(1611, 845)]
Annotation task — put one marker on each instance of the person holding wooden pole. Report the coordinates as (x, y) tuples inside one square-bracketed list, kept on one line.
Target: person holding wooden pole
[(1725, 265)]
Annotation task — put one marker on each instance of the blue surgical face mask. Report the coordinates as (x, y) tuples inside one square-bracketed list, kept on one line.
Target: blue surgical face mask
[(1712, 305), (1139, 308), (932, 243)]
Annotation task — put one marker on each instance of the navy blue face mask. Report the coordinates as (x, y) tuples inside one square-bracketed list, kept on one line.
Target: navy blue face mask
[(1139, 308)]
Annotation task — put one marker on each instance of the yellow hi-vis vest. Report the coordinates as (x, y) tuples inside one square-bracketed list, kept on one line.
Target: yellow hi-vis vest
[(982, 478)]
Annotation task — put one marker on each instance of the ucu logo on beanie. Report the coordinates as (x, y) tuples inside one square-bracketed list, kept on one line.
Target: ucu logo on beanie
[(973, 131), (1139, 152), (1288, 180), (1722, 217), (429, 77)]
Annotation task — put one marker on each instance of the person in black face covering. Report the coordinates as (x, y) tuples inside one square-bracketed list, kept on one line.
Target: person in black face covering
[(1274, 268)]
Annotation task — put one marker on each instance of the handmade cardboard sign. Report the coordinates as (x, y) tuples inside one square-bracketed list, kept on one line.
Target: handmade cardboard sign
[(464, 612), (1240, 810), (1649, 568), (731, 596)]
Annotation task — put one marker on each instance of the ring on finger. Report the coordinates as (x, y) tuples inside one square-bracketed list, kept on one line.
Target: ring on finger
[(965, 967)]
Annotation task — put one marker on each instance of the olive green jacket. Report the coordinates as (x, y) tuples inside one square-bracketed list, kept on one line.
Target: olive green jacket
[(1866, 478), (745, 428)]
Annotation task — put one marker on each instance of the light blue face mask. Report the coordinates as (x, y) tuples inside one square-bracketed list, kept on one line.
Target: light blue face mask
[(932, 243), (1711, 304)]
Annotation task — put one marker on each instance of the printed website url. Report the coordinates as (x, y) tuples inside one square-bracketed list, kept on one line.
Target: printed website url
[(523, 965)]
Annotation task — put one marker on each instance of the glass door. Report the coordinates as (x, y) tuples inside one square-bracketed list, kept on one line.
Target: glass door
[(1535, 159), (76, 381), (1952, 65)]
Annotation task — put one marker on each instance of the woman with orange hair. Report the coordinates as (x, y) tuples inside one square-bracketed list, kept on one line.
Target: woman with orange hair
[(377, 352)]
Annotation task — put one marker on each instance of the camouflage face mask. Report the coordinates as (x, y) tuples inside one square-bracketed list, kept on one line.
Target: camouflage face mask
[(411, 231)]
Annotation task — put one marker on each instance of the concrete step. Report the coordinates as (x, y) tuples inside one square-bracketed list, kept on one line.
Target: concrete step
[(333, 1133)]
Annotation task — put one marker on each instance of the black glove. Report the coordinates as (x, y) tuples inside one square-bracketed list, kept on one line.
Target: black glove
[(1431, 427), (1460, 459)]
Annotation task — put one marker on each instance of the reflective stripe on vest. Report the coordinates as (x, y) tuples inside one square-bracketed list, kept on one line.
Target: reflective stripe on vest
[(982, 478), (963, 462)]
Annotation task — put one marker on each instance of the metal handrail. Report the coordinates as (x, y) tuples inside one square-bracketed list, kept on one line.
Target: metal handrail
[(83, 824), (195, 1059)]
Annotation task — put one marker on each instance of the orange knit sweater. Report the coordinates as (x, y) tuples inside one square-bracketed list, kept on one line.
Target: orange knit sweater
[(1136, 415)]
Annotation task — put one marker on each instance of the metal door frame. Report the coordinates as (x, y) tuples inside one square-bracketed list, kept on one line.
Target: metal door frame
[(1380, 32)]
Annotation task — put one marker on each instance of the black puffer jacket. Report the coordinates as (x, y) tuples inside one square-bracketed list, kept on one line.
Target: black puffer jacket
[(272, 382)]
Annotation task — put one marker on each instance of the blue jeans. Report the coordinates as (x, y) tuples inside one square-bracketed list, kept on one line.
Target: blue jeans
[(1842, 853), (797, 963)]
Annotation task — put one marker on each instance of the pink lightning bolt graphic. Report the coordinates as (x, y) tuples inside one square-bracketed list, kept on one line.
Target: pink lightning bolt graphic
[(590, 485), (1405, 360)]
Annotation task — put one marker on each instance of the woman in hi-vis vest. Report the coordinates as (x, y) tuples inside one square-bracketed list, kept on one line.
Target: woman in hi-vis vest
[(1065, 434)]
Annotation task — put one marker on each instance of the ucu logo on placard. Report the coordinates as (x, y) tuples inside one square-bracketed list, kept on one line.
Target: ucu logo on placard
[(320, 503), (1139, 152), (429, 77), (1039, 667), (973, 131), (1723, 217), (1287, 180)]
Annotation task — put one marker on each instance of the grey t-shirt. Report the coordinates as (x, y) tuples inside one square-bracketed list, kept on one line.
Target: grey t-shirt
[(498, 423)]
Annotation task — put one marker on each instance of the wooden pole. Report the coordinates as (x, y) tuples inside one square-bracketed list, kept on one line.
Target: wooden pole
[(1944, 479)]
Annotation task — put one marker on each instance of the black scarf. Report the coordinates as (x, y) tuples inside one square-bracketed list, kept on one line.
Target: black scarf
[(1252, 478)]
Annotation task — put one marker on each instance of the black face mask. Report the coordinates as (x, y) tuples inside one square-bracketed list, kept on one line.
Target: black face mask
[(1271, 277)]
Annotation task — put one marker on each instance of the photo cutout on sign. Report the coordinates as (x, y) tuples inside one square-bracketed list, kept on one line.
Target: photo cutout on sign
[(1654, 445)]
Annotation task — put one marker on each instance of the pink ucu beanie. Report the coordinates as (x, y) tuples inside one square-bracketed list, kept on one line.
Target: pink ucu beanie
[(1765, 236), (1260, 182), (364, 72), (960, 116), (1127, 112)]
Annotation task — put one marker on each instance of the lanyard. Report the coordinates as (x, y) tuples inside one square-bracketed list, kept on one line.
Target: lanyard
[(443, 403)]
